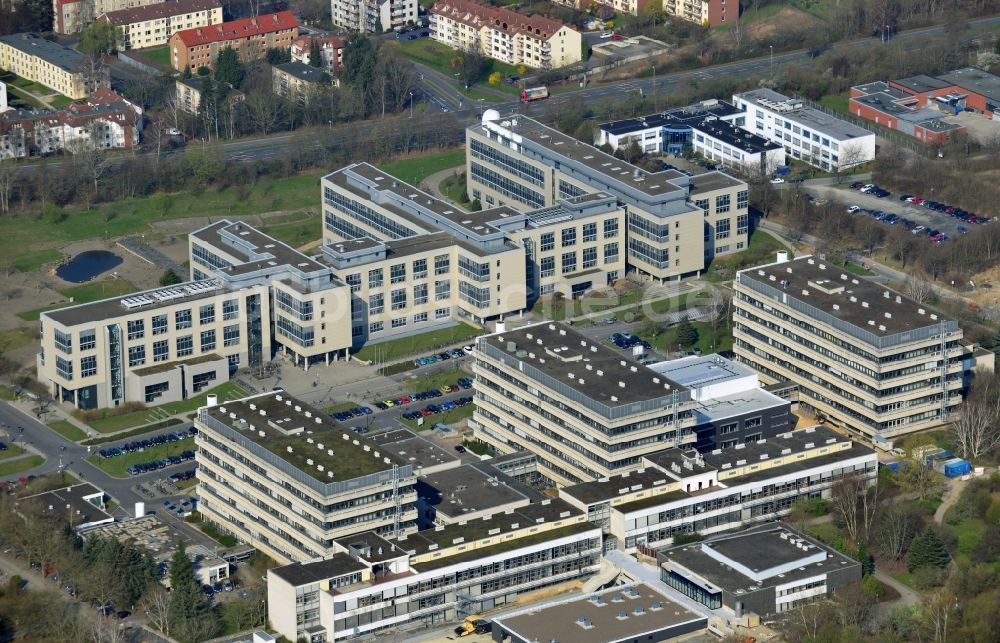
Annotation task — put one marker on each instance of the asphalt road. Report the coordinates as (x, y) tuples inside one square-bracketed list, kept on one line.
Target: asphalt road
[(59, 451)]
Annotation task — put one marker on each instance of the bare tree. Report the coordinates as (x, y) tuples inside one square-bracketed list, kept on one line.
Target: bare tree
[(717, 310), (895, 530), (855, 609), (853, 500), (937, 609), (264, 111), (9, 176), (917, 288), (156, 605), (104, 629), (976, 430)]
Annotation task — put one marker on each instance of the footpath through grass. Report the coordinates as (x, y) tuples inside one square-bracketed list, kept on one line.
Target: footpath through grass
[(415, 169), (84, 294), (117, 466), (761, 249), (15, 338), (19, 465), (417, 345)]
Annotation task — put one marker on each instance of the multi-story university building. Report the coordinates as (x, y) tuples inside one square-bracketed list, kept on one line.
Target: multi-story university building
[(676, 223), (871, 360), (71, 16), (59, 68), (516, 39), (396, 261), (152, 25), (104, 120), (373, 16), (681, 492), (250, 37), (806, 133), (587, 412), (283, 477)]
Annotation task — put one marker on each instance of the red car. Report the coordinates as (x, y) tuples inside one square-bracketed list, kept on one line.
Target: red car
[(917, 200)]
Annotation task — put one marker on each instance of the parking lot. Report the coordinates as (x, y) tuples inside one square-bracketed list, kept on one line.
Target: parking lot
[(979, 128), (919, 215)]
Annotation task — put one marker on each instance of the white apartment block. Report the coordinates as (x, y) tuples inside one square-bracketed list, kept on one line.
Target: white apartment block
[(675, 224), (806, 133), (682, 492), (71, 16), (871, 360), (59, 68), (732, 147), (152, 25), (516, 39), (283, 477), (371, 15)]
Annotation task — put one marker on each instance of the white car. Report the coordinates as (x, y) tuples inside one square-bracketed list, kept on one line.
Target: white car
[(776, 180), (607, 34), (918, 229), (173, 131), (853, 209), (468, 349)]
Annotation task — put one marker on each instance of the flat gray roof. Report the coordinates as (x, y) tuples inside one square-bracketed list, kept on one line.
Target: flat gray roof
[(413, 449), (711, 181), (628, 613), (268, 251), (921, 83), (302, 71), (702, 370), (679, 116), (976, 81), (742, 403), (298, 574), (586, 366), (69, 503), (863, 304), (473, 488), (46, 50), (796, 110), (761, 548)]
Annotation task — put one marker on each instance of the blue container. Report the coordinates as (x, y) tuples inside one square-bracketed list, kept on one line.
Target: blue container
[(956, 468)]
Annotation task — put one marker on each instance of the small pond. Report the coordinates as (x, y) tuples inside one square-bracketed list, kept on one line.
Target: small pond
[(87, 265)]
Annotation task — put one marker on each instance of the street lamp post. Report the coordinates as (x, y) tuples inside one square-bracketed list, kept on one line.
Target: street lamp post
[(771, 69), (653, 67), (411, 104)]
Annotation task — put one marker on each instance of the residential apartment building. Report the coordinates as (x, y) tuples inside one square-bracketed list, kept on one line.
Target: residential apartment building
[(676, 223), (104, 120), (152, 25), (283, 477), (703, 12), (679, 491), (587, 412), (433, 576), (806, 133), (896, 109), (250, 37), (516, 39), (71, 16), (295, 80), (764, 570), (871, 360), (669, 131), (373, 16), (189, 90), (59, 68), (331, 50)]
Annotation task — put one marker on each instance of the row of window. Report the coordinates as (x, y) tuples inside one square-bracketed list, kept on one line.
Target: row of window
[(400, 322), (182, 319)]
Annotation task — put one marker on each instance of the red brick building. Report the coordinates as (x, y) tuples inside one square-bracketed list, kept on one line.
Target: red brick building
[(893, 108), (250, 37)]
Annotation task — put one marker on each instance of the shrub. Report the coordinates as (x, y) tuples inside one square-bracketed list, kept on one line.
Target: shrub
[(927, 577), (685, 539)]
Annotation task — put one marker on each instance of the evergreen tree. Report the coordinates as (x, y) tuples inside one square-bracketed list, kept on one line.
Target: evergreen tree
[(927, 550), (867, 561), (228, 68), (315, 54), (169, 278), (687, 334), (186, 600)]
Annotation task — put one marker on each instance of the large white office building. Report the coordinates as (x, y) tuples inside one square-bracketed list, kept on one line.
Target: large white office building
[(806, 133)]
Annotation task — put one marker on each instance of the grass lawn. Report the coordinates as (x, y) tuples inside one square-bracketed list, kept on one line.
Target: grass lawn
[(21, 464), (129, 216), (116, 467), (479, 448), (453, 187), (855, 269), (142, 430), (417, 345), (113, 423), (210, 530), (12, 451), (159, 55), (83, 294), (340, 406), (761, 249), (448, 417), (708, 342), (16, 338), (415, 169), (67, 430), (836, 102), (434, 380), (23, 96), (558, 308), (32, 261), (439, 56), (6, 393), (295, 232), (60, 101)]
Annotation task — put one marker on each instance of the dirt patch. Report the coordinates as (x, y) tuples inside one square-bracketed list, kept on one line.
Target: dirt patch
[(779, 23)]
